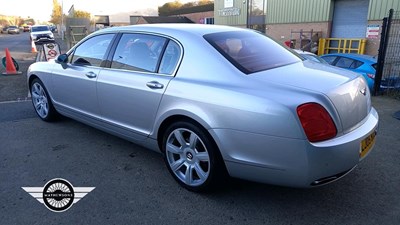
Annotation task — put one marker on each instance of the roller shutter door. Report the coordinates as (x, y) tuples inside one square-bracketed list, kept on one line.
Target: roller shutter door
[(350, 18)]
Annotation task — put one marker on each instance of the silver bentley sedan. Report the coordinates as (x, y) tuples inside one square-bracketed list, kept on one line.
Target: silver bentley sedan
[(216, 101)]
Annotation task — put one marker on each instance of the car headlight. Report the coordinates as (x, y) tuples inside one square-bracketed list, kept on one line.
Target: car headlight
[(51, 35)]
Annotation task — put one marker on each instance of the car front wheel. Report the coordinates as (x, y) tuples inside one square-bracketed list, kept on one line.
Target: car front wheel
[(42, 102), (192, 157)]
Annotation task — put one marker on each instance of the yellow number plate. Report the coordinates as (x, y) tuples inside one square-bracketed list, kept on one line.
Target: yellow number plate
[(367, 144)]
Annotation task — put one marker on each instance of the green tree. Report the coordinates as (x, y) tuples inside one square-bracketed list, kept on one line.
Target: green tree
[(56, 14), (168, 7), (205, 2), (19, 21), (188, 5), (81, 14)]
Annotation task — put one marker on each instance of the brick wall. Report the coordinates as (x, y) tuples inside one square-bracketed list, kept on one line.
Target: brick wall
[(282, 32)]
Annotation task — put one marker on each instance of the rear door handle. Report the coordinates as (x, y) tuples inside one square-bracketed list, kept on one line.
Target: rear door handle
[(154, 85), (91, 74)]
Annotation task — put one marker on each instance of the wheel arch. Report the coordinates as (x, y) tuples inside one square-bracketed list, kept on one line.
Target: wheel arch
[(221, 166), (173, 119), (31, 78), (180, 117)]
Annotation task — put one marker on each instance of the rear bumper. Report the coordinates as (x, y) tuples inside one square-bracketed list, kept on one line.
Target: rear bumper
[(292, 162)]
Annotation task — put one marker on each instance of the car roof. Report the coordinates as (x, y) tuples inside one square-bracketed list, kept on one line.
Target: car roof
[(365, 58), (174, 28)]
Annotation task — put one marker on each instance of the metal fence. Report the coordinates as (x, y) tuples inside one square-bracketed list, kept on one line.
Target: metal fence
[(387, 78)]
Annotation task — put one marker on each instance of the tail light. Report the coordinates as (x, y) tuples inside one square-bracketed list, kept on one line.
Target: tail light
[(316, 121), (370, 75)]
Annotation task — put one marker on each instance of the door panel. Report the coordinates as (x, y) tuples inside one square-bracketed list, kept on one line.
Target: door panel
[(130, 92), (75, 81), (74, 90), (130, 99)]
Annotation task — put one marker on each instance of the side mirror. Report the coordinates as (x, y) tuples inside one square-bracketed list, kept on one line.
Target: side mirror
[(63, 58)]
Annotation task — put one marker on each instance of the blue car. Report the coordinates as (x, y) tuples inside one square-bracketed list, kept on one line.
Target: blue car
[(363, 64)]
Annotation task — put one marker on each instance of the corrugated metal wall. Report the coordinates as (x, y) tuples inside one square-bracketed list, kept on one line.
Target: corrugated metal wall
[(239, 20), (378, 9), (298, 11)]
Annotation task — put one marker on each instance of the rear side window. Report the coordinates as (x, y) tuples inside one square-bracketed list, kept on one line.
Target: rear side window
[(356, 64), (347, 63), (170, 58), (250, 51), (329, 59), (138, 52)]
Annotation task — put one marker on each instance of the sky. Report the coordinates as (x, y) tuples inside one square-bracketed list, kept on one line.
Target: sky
[(42, 9)]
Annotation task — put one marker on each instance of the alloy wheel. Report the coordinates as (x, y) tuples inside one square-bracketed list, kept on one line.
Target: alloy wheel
[(40, 100), (188, 157)]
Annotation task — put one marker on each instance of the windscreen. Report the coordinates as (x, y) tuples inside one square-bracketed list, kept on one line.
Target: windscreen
[(41, 28), (250, 51)]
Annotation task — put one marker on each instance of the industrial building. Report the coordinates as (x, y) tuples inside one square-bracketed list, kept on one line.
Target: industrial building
[(352, 24)]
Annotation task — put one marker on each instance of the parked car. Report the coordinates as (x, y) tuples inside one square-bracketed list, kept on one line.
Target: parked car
[(310, 56), (41, 34), (214, 100), (13, 30), (3, 30), (26, 28), (53, 28), (363, 64)]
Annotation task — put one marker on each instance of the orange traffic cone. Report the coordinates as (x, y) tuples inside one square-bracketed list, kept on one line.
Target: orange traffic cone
[(34, 50), (10, 67)]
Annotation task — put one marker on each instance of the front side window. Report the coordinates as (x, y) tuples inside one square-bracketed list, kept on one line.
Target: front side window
[(250, 51), (138, 52), (92, 51)]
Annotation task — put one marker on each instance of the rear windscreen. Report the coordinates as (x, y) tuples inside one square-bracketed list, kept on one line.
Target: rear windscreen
[(250, 51)]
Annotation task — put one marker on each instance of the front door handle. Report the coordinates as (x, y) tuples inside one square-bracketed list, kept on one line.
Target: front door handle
[(154, 85), (91, 74)]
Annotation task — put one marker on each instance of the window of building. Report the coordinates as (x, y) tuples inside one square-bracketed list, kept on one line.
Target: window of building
[(209, 20)]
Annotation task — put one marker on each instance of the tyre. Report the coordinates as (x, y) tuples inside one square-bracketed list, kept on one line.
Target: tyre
[(192, 157), (41, 101)]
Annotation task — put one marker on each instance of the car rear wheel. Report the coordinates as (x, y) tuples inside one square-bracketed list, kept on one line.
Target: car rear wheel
[(41, 101), (192, 157)]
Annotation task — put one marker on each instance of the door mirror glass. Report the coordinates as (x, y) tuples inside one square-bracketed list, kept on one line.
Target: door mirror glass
[(63, 58)]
